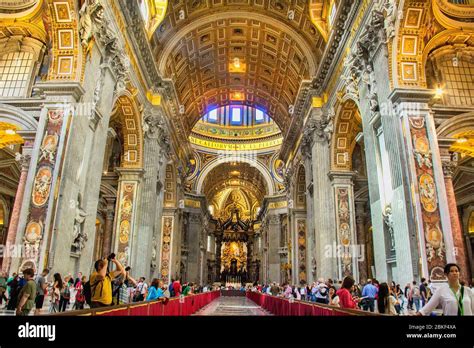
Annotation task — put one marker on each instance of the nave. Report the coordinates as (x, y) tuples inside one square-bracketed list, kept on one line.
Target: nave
[(232, 306)]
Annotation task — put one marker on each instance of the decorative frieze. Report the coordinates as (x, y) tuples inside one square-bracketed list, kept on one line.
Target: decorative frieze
[(428, 196), (165, 249), (344, 228), (125, 219), (301, 249), (42, 188)]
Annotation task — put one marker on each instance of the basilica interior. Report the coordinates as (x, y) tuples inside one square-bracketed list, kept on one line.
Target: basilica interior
[(238, 141)]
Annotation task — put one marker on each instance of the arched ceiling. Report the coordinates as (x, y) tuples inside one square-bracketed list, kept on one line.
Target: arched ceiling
[(234, 175), (198, 40)]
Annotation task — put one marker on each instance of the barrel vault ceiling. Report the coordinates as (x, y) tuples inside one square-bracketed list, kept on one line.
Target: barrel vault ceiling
[(198, 41)]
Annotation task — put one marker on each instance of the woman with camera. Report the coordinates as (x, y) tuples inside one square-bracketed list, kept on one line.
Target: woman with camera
[(101, 281)]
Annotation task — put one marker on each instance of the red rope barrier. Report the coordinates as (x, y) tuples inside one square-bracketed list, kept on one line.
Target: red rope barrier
[(282, 307), (161, 307)]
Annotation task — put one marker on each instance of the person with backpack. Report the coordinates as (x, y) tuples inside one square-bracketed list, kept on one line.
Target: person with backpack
[(100, 282), (455, 298), (80, 298), (131, 283), (140, 291), (65, 294), (15, 286), (124, 289), (416, 296), (9, 289), (27, 295), (423, 292)]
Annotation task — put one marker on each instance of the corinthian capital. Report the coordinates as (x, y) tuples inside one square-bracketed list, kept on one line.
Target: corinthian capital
[(448, 168), (24, 161)]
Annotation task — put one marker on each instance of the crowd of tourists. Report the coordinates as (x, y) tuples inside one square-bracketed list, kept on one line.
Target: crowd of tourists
[(106, 288), (24, 293), (423, 298)]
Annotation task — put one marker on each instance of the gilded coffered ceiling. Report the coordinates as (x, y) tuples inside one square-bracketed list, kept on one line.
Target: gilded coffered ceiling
[(234, 175), (198, 41)]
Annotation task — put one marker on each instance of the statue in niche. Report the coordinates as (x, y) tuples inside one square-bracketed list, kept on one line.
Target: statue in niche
[(80, 237), (374, 104), (351, 84), (388, 221)]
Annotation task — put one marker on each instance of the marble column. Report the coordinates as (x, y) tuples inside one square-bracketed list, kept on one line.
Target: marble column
[(343, 185), (310, 236), (24, 160), (147, 200), (323, 207), (126, 214), (427, 182), (194, 231), (273, 258), (449, 164), (218, 255), (108, 228), (361, 216)]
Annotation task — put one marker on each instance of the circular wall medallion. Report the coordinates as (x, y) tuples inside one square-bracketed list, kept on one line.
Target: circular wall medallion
[(434, 237), (33, 232)]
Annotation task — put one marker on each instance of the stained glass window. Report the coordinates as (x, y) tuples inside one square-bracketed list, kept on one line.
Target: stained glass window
[(236, 116), (259, 116), (212, 116)]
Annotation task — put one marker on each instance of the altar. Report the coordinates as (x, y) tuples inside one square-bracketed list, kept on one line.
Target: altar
[(234, 250)]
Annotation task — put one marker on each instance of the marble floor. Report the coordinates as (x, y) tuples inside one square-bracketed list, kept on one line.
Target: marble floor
[(232, 306)]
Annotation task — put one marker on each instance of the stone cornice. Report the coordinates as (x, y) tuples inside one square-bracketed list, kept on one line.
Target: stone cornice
[(341, 176), (303, 103), (133, 18), (338, 39), (406, 95), (55, 90), (315, 87)]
